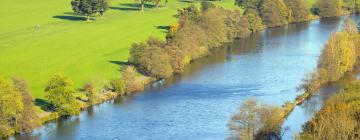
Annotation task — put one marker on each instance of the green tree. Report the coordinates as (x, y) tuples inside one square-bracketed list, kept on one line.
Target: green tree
[(89, 8), (248, 4), (60, 93)]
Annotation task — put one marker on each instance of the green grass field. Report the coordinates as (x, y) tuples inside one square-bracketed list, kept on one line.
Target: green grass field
[(41, 37)]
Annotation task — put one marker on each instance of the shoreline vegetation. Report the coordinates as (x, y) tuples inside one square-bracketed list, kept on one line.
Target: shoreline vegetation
[(339, 58), (194, 35)]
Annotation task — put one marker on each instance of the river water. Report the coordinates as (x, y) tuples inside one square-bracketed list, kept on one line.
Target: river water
[(198, 104)]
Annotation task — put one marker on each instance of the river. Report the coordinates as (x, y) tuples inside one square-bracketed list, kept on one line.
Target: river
[(269, 66)]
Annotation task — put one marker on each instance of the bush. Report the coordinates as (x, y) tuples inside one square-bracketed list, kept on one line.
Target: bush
[(118, 86), (132, 82), (90, 93)]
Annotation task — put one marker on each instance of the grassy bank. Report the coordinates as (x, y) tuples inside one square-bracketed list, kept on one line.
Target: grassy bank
[(43, 37)]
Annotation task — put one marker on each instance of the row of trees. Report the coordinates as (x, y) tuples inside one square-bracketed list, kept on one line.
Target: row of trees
[(196, 32), (330, 8), (276, 12), (338, 119), (338, 57), (17, 111)]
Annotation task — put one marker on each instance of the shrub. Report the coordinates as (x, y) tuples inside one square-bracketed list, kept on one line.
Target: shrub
[(132, 82), (329, 8), (118, 86), (90, 93)]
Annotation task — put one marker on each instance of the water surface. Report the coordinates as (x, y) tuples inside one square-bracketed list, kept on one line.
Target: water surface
[(198, 104)]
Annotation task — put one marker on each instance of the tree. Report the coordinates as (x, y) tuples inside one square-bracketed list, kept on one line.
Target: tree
[(338, 56), (89, 8), (329, 8), (274, 13), (132, 82), (60, 93), (90, 93), (156, 62), (299, 10), (255, 21), (29, 118), (142, 3), (350, 26), (11, 107), (248, 4), (255, 121)]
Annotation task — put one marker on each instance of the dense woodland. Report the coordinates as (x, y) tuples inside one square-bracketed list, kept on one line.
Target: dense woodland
[(195, 34)]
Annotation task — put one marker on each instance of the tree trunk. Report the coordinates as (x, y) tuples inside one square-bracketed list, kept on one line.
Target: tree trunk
[(87, 18), (166, 1), (142, 7)]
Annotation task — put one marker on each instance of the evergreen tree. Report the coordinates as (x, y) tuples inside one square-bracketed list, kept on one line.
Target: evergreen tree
[(89, 8)]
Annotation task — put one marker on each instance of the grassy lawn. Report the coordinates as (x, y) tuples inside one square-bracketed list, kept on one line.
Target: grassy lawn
[(41, 37)]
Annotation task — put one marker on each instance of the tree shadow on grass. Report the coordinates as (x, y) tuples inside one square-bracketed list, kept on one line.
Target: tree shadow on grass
[(131, 7), (188, 1), (125, 8), (68, 17), (120, 63), (163, 28), (44, 105)]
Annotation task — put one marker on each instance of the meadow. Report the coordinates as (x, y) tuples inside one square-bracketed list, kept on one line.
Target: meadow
[(42, 37)]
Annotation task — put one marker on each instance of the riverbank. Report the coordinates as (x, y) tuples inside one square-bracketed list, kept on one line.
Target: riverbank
[(105, 97)]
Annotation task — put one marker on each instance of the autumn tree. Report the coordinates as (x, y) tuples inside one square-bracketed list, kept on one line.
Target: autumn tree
[(299, 10), (274, 13), (255, 121), (29, 118), (132, 82), (254, 19), (329, 8), (11, 107), (60, 93), (338, 56), (90, 93)]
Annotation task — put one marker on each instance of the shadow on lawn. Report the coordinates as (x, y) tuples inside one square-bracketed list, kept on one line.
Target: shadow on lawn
[(43, 104), (120, 63), (68, 17), (163, 28), (131, 7)]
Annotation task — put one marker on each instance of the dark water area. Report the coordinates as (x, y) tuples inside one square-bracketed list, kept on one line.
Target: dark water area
[(198, 104)]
